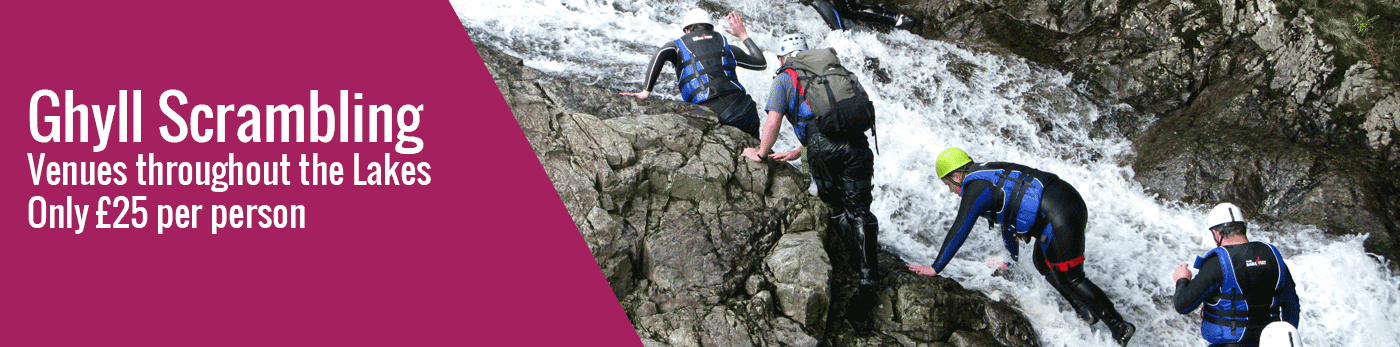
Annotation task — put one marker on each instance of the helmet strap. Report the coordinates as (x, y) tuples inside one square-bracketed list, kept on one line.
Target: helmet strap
[(954, 180)]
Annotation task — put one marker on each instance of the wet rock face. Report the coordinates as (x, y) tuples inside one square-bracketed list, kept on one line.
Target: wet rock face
[(704, 248), (906, 309), (801, 274), (1225, 100), (657, 190)]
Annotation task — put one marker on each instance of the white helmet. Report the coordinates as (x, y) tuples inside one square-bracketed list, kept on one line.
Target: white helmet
[(1224, 213), (1279, 334), (1221, 214), (696, 16), (791, 43)]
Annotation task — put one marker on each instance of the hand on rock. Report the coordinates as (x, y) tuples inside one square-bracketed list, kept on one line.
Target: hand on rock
[(640, 95), (786, 156), (752, 154), (996, 263), (922, 270), (999, 267)]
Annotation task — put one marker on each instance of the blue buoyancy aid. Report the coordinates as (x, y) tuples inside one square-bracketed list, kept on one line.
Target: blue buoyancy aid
[(1021, 188), (707, 66), (1226, 320)]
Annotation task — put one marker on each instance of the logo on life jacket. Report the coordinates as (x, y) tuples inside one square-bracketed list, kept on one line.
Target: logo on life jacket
[(702, 37), (1256, 262)]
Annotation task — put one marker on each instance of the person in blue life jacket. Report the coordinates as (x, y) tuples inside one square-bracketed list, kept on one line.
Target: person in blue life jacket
[(1242, 286), (838, 13), (705, 63), (1028, 204), (841, 162)]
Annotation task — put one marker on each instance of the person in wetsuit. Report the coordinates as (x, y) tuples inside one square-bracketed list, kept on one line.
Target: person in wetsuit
[(1029, 204), (1240, 299), (705, 63), (837, 12), (841, 164)]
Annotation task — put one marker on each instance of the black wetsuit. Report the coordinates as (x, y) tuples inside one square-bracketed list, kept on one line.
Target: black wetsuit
[(841, 168), (1056, 220), (836, 12), (704, 60), (1262, 278)]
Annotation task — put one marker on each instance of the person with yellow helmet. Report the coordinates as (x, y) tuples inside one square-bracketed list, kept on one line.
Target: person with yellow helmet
[(1028, 204)]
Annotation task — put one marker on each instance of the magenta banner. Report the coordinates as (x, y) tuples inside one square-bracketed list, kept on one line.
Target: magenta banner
[(275, 173)]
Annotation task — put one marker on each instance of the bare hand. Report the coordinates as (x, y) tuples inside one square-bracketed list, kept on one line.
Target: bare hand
[(786, 156), (736, 26), (997, 263), (922, 270), (752, 154), (1182, 271), (640, 95)]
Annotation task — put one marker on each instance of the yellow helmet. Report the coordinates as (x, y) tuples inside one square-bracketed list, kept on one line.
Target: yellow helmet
[(951, 159)]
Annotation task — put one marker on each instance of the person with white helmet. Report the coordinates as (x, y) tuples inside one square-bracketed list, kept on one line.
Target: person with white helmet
[(1030, 205), (1280, 334), (839, 159), (1243, 286), (836, 13), (705, 63)]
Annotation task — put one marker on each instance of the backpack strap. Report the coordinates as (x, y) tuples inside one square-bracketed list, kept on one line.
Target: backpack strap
[(800, 91), (876, 135), (1282, 268), (801, 96), (1023, 183)]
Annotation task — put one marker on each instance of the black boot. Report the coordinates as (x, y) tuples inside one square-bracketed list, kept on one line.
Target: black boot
[(1103, 308), (1122, 331), (869, 230), (1080, 307), (854, 228), (1061, 282)]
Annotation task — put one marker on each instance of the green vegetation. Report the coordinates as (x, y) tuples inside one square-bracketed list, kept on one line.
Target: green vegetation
[(1362, 23), (1361, 30)]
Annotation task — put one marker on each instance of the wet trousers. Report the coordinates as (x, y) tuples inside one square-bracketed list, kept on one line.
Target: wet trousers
[(737, 110), (842, 172)]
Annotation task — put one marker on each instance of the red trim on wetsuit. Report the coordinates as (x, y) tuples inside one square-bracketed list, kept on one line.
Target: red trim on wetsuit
[(1066, 265)]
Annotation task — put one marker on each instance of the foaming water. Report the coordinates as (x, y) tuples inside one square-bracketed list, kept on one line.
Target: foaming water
[(998, 108)]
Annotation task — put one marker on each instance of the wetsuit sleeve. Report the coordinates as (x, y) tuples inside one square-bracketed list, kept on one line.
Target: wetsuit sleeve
[(666, 54), (973, 205), (753, 59), (1290, 308), (867, 13), (828, 14), (1190, 293)]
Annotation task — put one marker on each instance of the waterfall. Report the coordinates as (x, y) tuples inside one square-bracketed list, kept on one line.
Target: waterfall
[(930, 95)]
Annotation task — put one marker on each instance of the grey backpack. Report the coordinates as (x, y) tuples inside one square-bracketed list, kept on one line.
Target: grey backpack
[(839, 104)]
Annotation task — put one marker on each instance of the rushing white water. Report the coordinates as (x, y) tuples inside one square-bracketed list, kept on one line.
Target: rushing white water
[(998, 108)]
